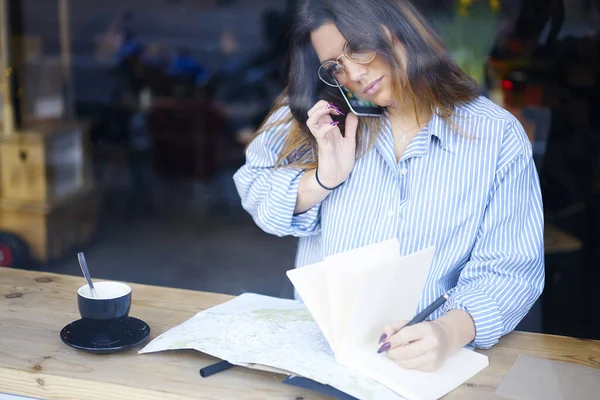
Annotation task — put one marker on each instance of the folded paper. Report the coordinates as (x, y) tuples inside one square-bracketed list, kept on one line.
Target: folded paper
[(354, 294)]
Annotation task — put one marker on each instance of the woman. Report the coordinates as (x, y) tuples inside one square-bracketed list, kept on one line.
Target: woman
[(442, 166)]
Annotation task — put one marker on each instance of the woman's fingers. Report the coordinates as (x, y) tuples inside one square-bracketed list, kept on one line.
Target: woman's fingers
[(394, 327), (316, 114), (390, 330), (322, 131), (351, 126), (405, 336), (324, 105), (321, 104), (407, 352)]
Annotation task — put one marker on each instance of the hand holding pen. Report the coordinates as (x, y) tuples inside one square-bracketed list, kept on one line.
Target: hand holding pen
[(418, 344)]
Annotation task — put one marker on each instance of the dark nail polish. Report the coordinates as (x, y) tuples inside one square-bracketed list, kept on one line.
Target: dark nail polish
[(336, 108), (382, 338), (335, 123), (385, 347)]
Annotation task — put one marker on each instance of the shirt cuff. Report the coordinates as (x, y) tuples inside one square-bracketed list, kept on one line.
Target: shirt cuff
[(484, 311), (307, 221), (277, 214)]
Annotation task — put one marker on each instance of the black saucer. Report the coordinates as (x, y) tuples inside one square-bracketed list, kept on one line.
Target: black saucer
[(103, 337)]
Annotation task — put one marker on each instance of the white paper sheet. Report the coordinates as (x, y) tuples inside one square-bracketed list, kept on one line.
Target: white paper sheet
[(416, 385), (313, 280), (390, 292), (344, 274)]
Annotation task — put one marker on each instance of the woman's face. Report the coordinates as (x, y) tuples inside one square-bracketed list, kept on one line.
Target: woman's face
[(372, 81)]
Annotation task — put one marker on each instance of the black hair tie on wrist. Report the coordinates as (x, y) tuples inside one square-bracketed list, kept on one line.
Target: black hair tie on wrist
[(323, 186)]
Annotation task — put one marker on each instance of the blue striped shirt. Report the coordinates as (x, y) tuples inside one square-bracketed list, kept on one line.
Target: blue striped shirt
[(474, 195)]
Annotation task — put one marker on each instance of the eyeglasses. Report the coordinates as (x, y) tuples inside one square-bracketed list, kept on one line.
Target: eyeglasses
[(333, 73)]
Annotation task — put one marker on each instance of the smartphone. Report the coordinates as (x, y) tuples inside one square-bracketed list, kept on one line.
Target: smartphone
[(360, 107)]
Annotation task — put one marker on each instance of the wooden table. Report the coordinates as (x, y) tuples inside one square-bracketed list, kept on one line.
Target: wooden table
[(34, 307)]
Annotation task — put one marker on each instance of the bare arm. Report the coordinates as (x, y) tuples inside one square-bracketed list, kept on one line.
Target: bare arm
[(309, 192)]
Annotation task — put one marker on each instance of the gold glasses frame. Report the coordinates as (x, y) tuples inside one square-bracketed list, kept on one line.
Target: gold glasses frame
[(323, 68)]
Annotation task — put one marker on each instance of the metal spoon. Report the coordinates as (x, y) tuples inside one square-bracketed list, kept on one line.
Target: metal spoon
[(86, 273)]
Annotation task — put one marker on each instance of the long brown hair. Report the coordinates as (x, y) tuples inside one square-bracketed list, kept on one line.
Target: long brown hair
[(430, 74)]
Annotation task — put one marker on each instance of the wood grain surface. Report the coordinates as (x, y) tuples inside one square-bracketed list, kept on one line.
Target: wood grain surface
[(35, 306)]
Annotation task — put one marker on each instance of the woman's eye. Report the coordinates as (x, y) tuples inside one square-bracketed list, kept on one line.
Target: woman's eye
[(356, 48), (358, 52), (335, 69)]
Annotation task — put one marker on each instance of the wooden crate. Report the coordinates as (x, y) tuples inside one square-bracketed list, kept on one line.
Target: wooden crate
[(52, 231), (44, 164), (37, 92), (41, 88)]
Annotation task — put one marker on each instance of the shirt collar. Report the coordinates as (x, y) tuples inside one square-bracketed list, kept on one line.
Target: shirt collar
[(445, 135), (437, 127)]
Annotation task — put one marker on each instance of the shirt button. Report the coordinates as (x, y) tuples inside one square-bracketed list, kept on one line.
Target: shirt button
[(390, 213), (404, 171)]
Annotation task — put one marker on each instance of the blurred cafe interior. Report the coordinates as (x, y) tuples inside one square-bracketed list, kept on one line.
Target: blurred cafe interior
[(125, 120)]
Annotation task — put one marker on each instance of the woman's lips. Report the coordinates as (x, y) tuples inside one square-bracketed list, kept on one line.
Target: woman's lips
[(373, 87)]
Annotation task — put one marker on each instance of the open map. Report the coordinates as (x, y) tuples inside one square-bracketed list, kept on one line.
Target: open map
[(278, 333)]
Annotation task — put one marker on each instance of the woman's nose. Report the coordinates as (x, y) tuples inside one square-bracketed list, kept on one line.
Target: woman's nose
[(355, 71)]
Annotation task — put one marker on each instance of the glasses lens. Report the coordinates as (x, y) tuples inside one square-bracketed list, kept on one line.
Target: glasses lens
[(359, 53), (330, 71)]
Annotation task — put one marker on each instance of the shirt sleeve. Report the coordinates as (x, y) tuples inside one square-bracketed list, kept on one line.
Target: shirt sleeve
[(269, 194), (505, 273)]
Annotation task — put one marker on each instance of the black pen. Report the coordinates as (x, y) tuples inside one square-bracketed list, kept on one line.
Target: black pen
[(215, 368), (420, 317)]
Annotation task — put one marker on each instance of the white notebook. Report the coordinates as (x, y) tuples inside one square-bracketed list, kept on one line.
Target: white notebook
[(352, 295)]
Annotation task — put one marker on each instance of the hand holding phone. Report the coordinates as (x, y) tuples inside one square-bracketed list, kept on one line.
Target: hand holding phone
[(360, 107), (337, 152)]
